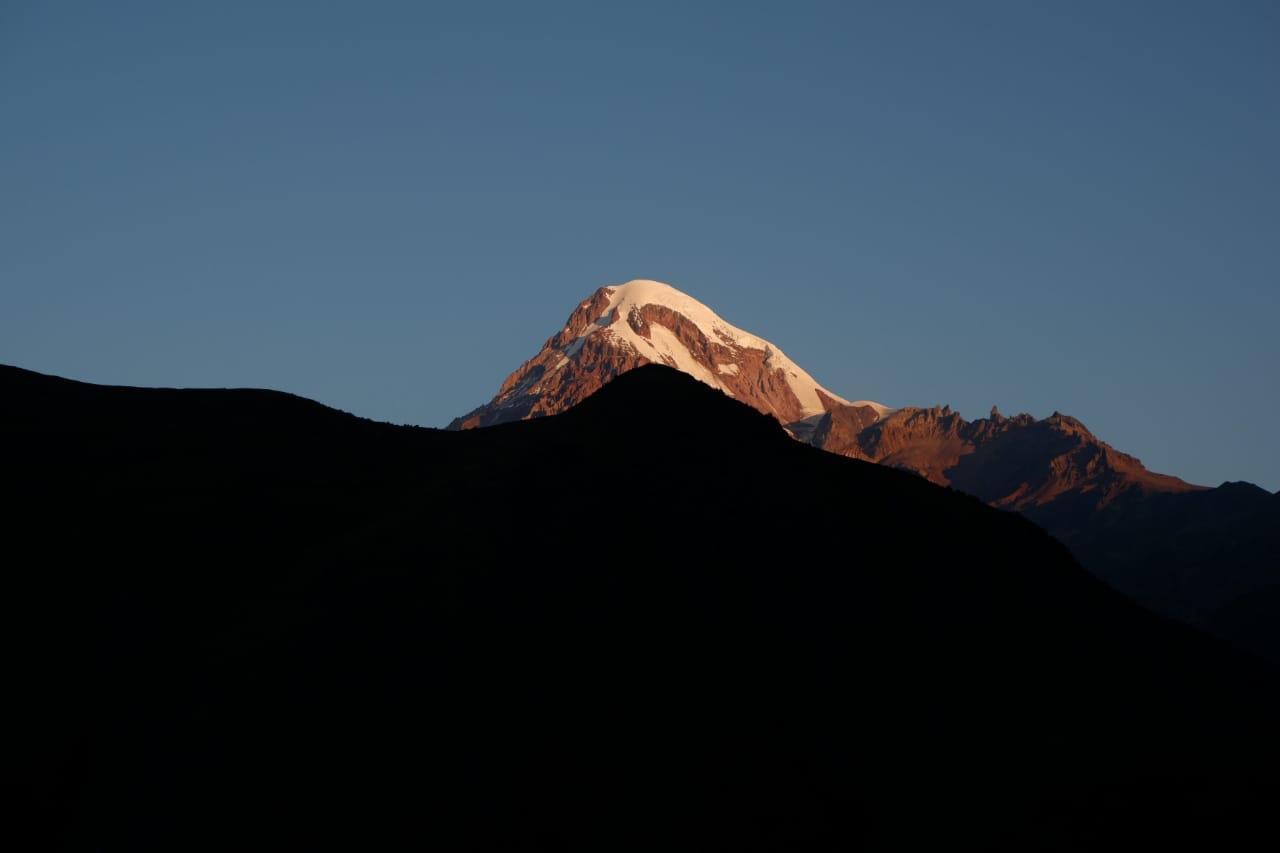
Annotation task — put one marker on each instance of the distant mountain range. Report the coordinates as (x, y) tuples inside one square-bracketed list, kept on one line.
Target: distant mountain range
[(651, 622), (1117, 516)]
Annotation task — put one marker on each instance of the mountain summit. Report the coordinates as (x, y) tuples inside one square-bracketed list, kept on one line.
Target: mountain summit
[(621, 327)]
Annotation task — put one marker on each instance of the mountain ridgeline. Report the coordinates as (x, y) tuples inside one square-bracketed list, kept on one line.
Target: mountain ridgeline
[(1117, 517), (653, 621)]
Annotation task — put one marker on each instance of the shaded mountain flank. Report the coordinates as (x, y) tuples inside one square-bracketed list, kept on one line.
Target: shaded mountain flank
[(1120, 519), (239, 618)]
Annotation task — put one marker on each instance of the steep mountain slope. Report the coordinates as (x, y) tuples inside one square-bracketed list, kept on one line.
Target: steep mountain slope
[(652, 622)]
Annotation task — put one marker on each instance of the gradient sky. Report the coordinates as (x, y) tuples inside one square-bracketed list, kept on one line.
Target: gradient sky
[(388, 207)]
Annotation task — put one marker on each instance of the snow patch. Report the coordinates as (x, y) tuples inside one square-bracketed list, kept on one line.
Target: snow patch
[(880, 409)]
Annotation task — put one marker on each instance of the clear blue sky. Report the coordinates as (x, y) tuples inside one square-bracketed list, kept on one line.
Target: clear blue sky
[(387, 207)]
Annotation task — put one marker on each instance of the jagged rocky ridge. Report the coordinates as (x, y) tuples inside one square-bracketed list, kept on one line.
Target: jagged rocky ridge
[(1011, 462)]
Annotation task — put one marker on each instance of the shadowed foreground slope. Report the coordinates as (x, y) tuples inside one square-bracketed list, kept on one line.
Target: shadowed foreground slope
[(242, 619)]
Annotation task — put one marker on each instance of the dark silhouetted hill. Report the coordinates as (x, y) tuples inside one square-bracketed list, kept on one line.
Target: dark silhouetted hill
[(240, 619), (1210, 557)]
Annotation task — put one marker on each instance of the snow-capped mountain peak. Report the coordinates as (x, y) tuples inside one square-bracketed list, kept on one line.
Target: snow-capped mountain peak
[(621, 327)]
